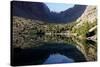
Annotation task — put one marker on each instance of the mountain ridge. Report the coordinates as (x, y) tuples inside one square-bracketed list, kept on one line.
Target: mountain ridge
[(39, 11)]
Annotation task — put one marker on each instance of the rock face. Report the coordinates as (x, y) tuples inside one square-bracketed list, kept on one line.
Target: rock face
[(90, 14), (39, 11)]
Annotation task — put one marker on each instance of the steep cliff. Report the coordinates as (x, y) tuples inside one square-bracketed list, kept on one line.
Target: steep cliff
[(90, 14), (87, 21)]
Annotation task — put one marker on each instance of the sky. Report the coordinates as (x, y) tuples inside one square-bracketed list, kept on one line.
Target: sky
[(58, 7)]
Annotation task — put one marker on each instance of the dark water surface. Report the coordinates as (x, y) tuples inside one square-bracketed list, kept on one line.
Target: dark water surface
[(55, 49)]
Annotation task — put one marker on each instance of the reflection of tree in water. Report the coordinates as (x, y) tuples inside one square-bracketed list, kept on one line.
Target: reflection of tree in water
[(41, 46), (88, 47)]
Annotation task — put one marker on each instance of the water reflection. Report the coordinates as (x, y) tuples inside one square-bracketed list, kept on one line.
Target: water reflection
[(58, 58), (55, 49)]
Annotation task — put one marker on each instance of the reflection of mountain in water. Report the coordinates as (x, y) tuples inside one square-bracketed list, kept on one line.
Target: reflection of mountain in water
[(39, 55), (69, 51)]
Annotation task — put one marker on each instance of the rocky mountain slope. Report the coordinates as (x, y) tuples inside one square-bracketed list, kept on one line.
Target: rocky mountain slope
[(89, 15), (87, 21)]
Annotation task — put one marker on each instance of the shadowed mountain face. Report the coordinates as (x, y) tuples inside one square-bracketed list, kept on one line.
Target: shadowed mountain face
[(30, 10), (73, 13), (39, 11)]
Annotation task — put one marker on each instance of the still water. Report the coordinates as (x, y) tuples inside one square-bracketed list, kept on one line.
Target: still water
[(55, 49)]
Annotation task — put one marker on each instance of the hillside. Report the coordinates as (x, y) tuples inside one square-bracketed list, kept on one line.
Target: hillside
[(23, 29)]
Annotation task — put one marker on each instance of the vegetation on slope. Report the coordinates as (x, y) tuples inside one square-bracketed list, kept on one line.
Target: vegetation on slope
[(83, 29)]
